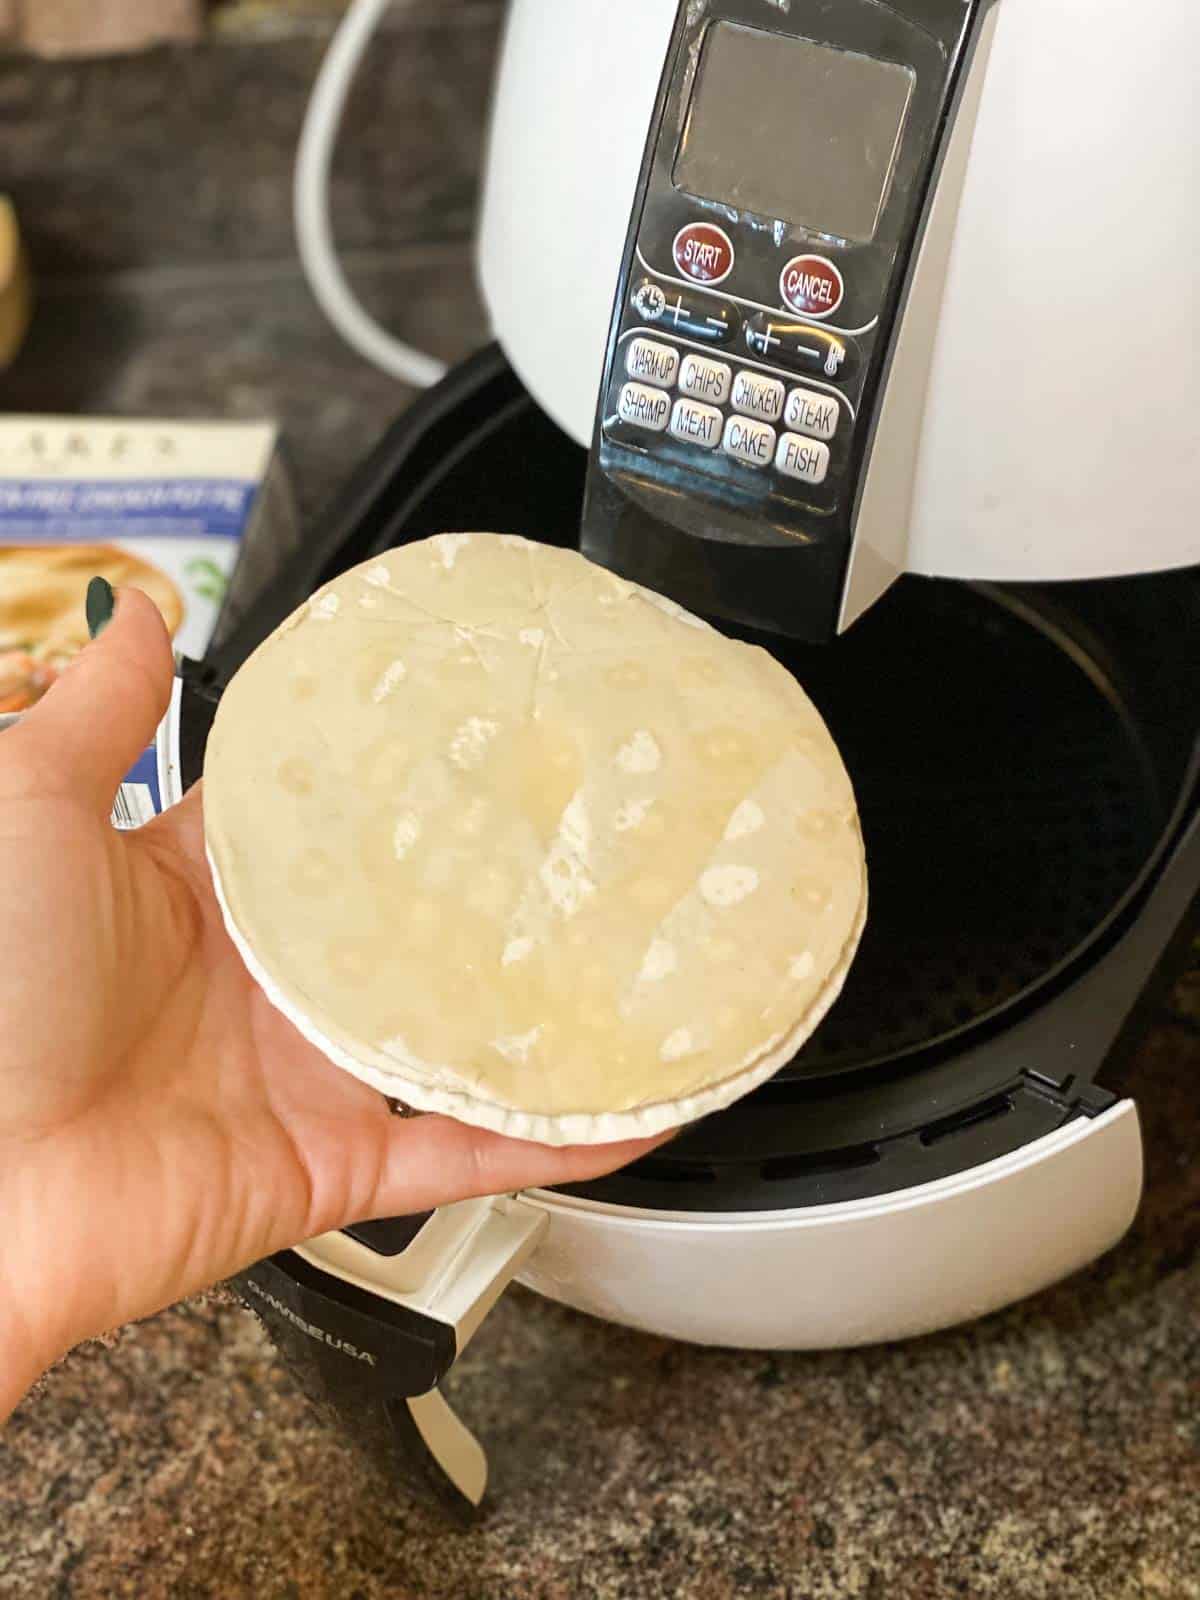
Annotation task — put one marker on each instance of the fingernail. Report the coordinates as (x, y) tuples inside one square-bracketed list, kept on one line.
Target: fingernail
[(99, 605)]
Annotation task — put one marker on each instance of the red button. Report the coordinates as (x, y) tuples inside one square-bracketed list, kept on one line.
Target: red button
[(703, 252), (812, 286)]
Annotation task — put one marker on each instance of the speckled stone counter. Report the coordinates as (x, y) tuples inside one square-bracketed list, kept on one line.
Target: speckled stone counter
[(1049, 1451)]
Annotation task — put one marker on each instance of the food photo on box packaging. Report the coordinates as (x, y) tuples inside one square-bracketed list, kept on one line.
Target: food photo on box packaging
[(163, 507), (600, 900)]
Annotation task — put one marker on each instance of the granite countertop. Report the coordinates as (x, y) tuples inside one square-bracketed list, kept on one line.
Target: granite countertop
[(1052, 1450)]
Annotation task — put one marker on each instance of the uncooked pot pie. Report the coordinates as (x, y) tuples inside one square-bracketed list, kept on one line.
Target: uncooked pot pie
[(513, 839)]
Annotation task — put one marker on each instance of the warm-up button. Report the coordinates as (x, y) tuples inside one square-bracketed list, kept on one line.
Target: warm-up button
[(652, 362), (749, 441), (806, 459)]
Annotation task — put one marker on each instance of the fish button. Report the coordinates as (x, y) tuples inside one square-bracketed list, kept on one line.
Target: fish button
[(811, 413), (749, 441), (702, 378), (756, 396), (652, 362), (695, 423), (806, 459), (644, 407)]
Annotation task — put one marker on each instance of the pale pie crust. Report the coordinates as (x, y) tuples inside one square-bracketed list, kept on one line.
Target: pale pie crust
[(428, 807)]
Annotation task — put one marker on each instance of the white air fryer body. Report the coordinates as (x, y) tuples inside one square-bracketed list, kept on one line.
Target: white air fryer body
[(1058, 438)]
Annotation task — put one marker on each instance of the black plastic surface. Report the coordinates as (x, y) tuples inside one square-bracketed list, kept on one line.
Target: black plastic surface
[(389, 1236), (358, 1357), (1024, 760), (343, 1323)]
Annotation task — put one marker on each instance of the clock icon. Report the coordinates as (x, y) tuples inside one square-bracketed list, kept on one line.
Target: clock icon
[(649, 301)]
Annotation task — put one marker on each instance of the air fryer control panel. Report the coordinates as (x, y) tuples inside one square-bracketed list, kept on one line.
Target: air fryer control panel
[(786, 177), (706, 380)]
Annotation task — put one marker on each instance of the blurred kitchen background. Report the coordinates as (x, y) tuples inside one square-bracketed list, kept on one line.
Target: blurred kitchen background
[(151, 182)]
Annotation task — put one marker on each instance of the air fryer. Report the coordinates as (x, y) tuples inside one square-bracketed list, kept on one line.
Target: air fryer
[(1025, 759)]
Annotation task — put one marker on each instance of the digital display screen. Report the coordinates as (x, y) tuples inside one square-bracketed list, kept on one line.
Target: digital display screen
[(793, 130)]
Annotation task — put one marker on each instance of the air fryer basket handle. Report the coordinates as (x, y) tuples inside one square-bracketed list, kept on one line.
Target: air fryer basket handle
[(376, 1389), (372, 1358)]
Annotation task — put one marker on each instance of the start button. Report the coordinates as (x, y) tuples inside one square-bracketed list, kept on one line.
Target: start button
[(703, 252), (811, 285)]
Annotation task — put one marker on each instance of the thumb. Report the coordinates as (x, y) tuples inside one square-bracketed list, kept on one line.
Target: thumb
[(94, 722)]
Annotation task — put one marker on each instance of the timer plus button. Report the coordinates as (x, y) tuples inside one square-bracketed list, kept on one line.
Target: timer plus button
[(652, 362), (801, 347)]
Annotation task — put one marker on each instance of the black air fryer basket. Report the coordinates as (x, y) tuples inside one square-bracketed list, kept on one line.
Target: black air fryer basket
[(1025, 760)]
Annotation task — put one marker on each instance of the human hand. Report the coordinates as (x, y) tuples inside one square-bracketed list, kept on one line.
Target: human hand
[(161, 1124)]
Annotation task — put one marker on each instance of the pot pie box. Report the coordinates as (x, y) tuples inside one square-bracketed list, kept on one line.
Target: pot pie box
[(197, 514)]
